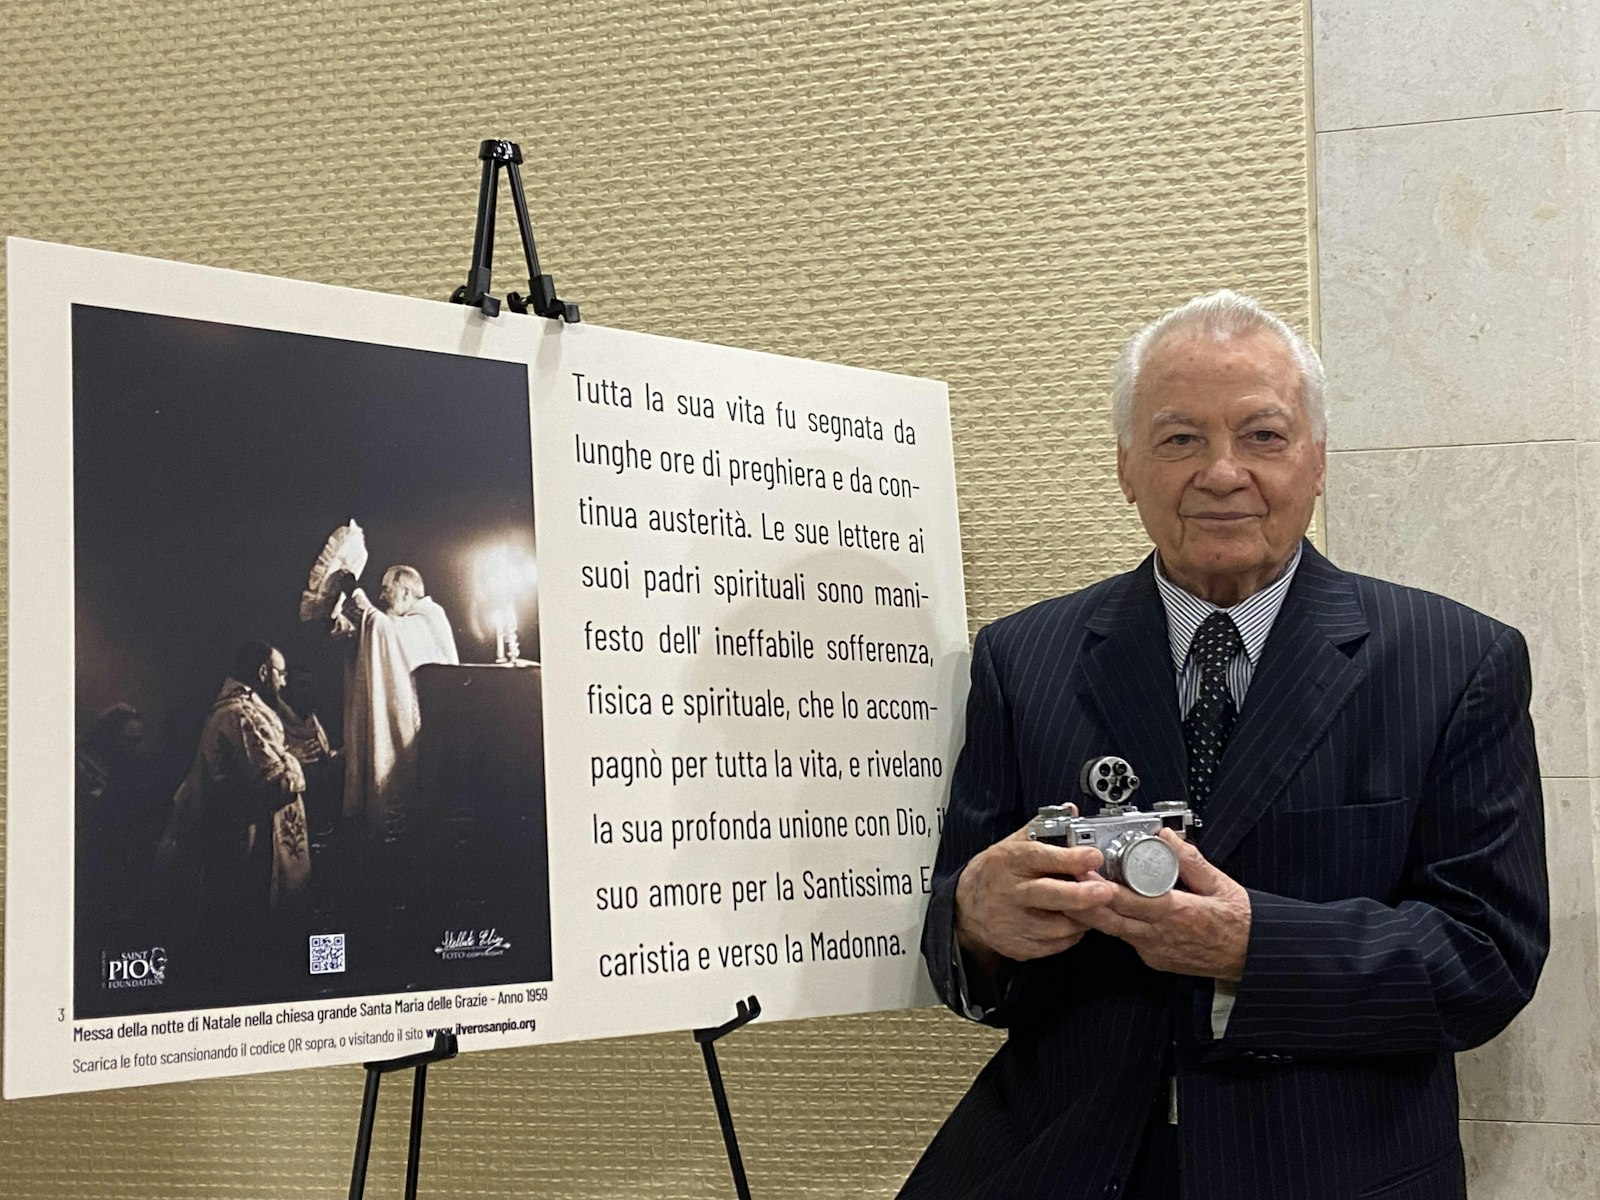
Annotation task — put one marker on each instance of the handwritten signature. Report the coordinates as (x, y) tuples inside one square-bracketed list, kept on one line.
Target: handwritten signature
[(480, 941)]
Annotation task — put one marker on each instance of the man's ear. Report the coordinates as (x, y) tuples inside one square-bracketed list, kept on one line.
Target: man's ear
[(1123, 481), (1322, 466)]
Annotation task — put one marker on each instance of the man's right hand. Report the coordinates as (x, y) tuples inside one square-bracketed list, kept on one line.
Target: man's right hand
[(1020, 900)]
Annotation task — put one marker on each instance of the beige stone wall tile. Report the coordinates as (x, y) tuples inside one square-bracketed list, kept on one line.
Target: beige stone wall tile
[(1388, 62), (1589, 589), (1546, 1065), (1494, 527), (1583, 55), (1582, 134), (1507, 1161), (1445, 276)]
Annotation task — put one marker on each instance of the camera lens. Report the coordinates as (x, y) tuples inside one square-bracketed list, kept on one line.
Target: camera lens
[(1143, 862)]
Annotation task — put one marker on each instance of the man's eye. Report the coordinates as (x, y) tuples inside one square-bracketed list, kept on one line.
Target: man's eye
[(1180, 439), (1265, 436)]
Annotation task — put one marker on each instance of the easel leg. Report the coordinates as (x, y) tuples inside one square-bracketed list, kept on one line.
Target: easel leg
[(497, 154), (719, 1094), (419, 1090), (444, 1047), (369, 1113), (745, 1011)]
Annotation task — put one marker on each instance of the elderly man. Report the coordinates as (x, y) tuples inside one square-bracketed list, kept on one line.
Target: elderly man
[(406, 629), (1366, 894)]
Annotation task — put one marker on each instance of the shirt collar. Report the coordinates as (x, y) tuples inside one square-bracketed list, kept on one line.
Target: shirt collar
[(1253, 616)]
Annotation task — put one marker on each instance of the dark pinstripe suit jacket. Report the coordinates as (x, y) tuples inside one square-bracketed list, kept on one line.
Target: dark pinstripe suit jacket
[(1380, 800)]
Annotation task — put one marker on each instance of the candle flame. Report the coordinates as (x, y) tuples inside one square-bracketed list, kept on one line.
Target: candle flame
[(504, 582)]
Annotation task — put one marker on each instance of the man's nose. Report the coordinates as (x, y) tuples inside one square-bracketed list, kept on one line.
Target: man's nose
[(1221, 473)]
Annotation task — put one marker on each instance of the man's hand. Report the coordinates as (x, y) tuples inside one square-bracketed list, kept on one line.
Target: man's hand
[(1204, 930), (1018, 899)]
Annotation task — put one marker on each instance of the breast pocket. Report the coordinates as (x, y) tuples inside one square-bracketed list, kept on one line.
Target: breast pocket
[(1330, 853)]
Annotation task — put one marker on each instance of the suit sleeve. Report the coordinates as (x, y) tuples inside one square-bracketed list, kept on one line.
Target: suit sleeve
[(985, 806), (1446, 966)]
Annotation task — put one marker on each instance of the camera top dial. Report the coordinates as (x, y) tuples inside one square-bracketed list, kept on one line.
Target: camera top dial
[(1108, 779)]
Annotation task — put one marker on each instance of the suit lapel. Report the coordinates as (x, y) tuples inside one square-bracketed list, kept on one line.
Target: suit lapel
[(1126, 675), (1305, 675)]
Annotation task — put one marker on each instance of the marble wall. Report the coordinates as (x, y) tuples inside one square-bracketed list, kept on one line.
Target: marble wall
[(1458, 246)]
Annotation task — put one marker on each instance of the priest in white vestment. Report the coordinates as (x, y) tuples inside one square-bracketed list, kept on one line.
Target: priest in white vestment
[(403, 631)]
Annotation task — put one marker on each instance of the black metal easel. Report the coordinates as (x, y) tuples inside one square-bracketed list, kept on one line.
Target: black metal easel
[(744, 1012), (497, 154), (444, 1047)]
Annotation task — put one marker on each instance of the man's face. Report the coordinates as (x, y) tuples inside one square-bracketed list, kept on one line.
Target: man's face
[(273, 676), (396, 597), (1221, 462)]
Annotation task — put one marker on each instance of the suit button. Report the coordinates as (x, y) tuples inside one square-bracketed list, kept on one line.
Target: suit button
[(1113, 1189)]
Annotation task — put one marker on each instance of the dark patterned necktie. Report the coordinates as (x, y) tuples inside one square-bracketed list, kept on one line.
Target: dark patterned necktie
[(1210, 721)]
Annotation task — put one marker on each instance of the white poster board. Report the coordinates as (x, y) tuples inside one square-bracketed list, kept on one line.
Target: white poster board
[(663, 714)]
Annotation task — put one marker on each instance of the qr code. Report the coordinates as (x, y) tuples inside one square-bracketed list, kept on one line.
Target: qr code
[(327, 953)]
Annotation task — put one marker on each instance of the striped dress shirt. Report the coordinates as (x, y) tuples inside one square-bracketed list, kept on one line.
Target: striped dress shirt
[(1252, 616)]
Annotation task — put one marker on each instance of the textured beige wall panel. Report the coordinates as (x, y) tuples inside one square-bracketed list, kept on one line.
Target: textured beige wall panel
[(993, 194)]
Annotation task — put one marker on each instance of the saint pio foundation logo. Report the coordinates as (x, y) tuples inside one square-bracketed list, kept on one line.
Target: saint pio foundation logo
[(471, 943), (134, 968)]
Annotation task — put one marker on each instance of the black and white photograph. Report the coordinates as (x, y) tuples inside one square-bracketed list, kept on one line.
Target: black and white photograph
[(309, 758), (374, 737)]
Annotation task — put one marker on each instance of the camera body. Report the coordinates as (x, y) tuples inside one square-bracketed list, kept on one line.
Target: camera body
[(1126, 836)]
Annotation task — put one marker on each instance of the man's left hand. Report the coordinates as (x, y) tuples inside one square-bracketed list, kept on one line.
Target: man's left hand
[(1201, 930)]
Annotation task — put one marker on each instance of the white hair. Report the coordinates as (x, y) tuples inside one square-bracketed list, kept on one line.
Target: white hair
[(409, 578), (1221, 316)]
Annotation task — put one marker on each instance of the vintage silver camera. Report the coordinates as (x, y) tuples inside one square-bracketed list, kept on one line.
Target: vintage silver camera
[(1127, 836)]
